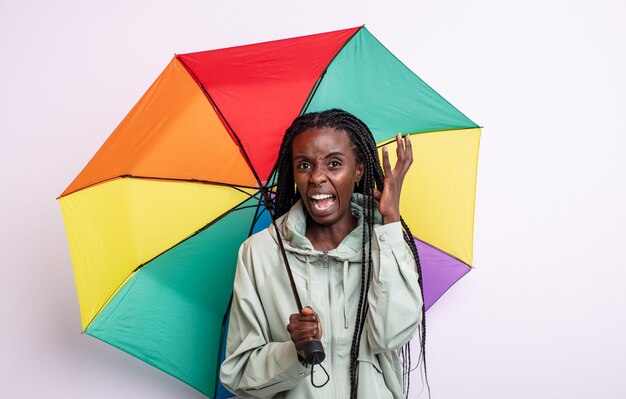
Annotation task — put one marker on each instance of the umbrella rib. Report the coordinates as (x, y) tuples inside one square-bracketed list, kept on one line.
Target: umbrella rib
[(237, 187), (391, 140), (256, 218), (127, 278), (443, 252), (427, 85), (225, 121), (263, 188), (319, 80), (206, 226), (307, 102), (244, 207)]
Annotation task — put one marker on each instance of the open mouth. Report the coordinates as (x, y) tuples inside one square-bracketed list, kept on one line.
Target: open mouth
[(322, 202)]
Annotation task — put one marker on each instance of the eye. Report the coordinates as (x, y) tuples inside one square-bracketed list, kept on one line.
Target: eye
[(303, 166), (334, 164)]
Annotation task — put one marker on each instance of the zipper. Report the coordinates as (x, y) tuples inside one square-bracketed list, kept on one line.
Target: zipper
[(333, 336)]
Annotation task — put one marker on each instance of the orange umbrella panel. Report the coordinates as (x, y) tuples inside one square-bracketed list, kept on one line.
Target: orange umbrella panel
[(173, 133)]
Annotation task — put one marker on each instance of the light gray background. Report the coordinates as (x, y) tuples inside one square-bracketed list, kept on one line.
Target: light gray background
[(543, 314)]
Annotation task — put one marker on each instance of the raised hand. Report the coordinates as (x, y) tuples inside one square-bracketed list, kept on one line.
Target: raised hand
[(304, 327), (389, 199)]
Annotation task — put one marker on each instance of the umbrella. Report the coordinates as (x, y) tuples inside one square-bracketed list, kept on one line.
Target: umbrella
[(155, 219)]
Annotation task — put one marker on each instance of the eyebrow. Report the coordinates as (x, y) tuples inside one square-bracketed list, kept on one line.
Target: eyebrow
[(330, 155)]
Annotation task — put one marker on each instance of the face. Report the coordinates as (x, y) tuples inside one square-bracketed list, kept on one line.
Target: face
[(326, 170)]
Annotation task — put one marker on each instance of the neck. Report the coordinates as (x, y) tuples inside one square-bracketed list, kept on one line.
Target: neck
[(326, 238)]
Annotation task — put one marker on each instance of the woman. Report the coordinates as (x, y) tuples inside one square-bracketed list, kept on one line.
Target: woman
[(350, 261)]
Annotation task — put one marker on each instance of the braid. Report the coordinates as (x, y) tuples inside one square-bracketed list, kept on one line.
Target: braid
[(406, 366), (366, 152), (286, 193)]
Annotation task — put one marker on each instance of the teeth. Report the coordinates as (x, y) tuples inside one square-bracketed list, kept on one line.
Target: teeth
[(321, 196), (321, 206)]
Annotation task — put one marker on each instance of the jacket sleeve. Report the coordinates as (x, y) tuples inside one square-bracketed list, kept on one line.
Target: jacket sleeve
[(254, 366), (394, 297)]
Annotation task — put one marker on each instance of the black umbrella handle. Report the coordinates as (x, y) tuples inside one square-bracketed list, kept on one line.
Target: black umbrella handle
[(314, 352)]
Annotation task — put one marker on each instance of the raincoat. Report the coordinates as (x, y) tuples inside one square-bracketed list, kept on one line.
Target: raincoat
[(261, 360)]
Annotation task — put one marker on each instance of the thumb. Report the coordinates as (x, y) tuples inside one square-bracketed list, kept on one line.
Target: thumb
[(377, 194), (307, 311)]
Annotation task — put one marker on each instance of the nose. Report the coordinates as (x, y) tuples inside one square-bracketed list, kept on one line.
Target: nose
[(318, 177)]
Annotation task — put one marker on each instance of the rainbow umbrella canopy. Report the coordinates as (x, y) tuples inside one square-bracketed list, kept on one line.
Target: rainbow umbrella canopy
[(155, 219)]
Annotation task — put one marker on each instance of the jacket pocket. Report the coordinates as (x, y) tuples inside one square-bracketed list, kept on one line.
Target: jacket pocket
[(370, 361), (371, 379)]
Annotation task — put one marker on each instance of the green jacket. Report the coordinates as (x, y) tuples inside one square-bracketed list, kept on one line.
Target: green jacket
[(261, 360)]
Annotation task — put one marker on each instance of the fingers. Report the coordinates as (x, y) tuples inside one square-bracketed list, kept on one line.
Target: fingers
[(386, 163), (408, 153), (304, 327), (389, 199), (302, 338), (307, 311), (404, 153), (305, 334), (399, 148), (300, 318)]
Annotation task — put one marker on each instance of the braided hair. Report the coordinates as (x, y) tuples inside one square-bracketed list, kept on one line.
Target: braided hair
[(366, 152)]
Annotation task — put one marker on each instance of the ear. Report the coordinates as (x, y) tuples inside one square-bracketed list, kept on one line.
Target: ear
[(360, 169)]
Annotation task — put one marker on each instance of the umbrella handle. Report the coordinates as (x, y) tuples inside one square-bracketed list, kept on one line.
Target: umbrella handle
[(314, 355), (314, 352)]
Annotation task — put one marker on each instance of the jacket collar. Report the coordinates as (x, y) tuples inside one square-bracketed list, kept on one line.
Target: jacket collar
[(292, 226)]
